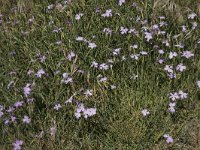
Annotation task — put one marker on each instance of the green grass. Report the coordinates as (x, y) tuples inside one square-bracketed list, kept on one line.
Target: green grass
[(118, 123)]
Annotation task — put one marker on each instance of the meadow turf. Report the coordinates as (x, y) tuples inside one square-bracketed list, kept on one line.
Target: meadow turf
[(75, 76)]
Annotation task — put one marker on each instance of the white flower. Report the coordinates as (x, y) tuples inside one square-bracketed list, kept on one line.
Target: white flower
[(69, 100), (171, 75), (70, 56), (145, 112), (53, 130), (187, 54), (40, 73), (26, 120), (174, 96), (94, 64), (168, 138), (148, 36), (121, 2), (191, 16), (107, 30), (181, 67), (79, 38), (89, 112), (169, 68), (78, 16), (184, 28), (136, 56), (182, 94), (88, 93), (198, 84), (113, 87), (134, 46), (116, 51), (104, 79), (103, 66), (123, 30), (194, 25), (57, 107), (161, 51), (172, 55), (108, 13), (92, 45), (143, 53), (27, 89)]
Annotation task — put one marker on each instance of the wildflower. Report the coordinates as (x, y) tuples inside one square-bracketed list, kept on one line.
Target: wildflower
[(172, 55), (143, 53), (121, 2), (79, 38), (113, 87), (182, 94), (103, 66), (77, 115), (42, 58), (148, 36), (53, 130), (187, 54), (1, 114), (18, 104), (50, 6), (71, 56), (6, 121), (104, 79), (145, 112), (107, 30), (136, 56), (184, 29), (13, 118), (174, 96), (27, 90), (169, 68), (17, 145), (123, 30), (58, 42), (92, 45), (89, 112), (78, 16), (132, 31), (88, 93), (108, 13), (194, 25), (94, 64), (30, 72), (171, 75), (168, 138), (69, 100), (172, 107), (40, 73), (30, 100), (192, 16), (198, 84), (161, 51), (116, 51), (26, 120), (160, 61), (10, 109), (57, 107), (135, 46), (66, 79), (181, 67)]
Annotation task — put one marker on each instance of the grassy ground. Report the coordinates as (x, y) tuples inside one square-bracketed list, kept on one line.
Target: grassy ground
[(33, 37)]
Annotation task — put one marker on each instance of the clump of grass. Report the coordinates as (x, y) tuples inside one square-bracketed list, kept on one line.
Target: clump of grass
[(99, 75)]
